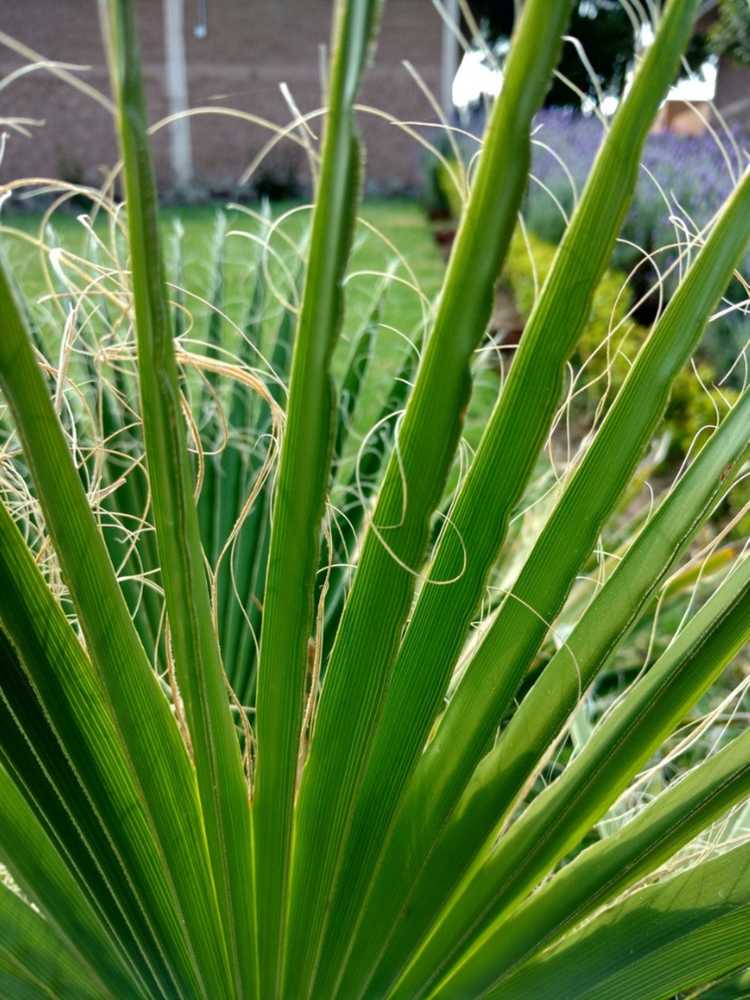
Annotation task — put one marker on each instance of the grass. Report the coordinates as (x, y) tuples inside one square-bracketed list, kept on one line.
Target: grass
[(399, 222), (387, 228)]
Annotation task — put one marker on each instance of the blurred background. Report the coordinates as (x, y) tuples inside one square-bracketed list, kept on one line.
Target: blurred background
[(216, 53)]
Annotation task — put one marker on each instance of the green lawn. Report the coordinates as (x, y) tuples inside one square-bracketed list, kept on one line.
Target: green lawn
[(402, 223), (387, 228)]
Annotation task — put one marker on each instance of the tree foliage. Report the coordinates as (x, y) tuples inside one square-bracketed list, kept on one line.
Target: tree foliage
[(604, 31), (730, 35)]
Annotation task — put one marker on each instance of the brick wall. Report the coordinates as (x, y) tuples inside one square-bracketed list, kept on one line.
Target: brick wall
[(733, 93), (251, 46)]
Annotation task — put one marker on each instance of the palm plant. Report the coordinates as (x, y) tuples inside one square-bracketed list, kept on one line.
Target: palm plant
[(187, 816)]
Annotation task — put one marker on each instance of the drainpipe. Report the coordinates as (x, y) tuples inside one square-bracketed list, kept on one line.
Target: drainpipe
[(176, 87), (449, 59)]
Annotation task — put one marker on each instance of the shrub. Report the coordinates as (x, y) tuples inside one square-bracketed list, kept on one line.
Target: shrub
[(380, 836), (528, 264), (731, 33), (610, 343), (682, 183)]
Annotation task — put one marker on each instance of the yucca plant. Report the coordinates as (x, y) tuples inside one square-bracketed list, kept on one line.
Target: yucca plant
[(363, 806)]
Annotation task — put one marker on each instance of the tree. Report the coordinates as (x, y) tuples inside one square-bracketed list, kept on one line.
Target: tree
[(730, 35), (601, 26)]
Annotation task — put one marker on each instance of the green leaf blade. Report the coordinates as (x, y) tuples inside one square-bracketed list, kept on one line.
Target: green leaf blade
[(76, 708), (301, 487), (665, 939), (200, 672), (381, 592), (37, 763), (40, 872), (560, 816), (603, 871), (36, 959), (145, 725), (469, 544), (502, 774)]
